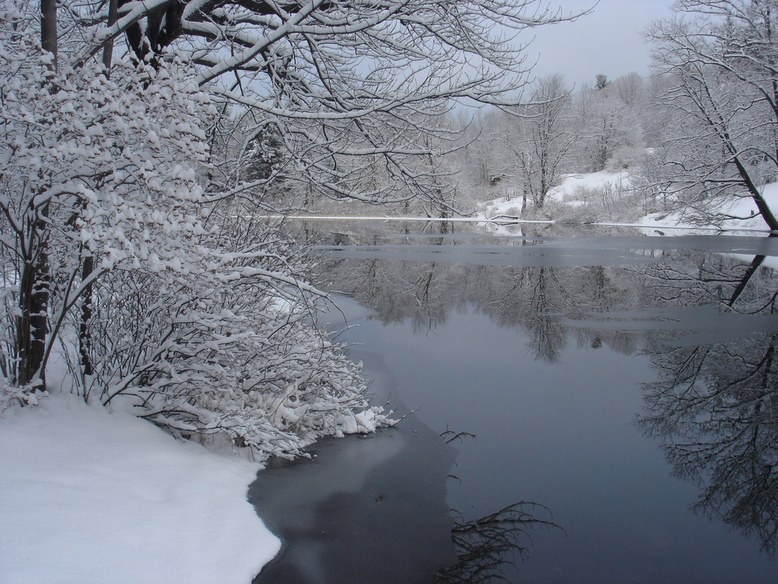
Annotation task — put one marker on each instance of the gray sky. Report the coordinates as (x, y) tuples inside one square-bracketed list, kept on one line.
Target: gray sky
[(607, 41)]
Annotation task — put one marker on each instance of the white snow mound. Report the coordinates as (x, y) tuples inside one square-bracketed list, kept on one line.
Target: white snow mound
[(88, 496)]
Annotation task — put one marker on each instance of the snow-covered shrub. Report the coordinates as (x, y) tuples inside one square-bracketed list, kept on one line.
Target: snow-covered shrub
[(626, 157), (232, 352), (159, 296), (608, 200), (583, 214), (98, 174)]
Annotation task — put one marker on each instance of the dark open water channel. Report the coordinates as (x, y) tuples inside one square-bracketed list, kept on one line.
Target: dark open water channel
[(617, 395)]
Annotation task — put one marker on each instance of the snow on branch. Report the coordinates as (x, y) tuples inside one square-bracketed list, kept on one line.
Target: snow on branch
[(360, 68), (159, 297)]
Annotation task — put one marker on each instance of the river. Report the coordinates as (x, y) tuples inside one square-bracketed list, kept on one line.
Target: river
[(581, 406)]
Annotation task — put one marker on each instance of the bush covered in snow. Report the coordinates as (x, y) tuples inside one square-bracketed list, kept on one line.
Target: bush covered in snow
[(160, 294)]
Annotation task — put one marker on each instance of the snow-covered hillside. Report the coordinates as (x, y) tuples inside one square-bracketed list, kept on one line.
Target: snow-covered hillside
[(575, 190), (607, 190)]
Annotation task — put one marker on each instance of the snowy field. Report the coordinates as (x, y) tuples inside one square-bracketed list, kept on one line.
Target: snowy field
[(88, 496)]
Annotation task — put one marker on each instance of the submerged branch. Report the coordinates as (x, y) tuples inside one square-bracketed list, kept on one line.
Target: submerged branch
[(487, 546)]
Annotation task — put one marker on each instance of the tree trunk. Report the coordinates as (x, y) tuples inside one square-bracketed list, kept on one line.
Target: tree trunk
[(84, 332), (753, 190), (752, 269), (113, 11), (32, 322), (49, 27)]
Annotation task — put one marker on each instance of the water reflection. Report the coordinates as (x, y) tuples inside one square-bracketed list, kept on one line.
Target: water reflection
[(715, 410), (714, 407), (707, 321), (542, 345), (361, 510), (373, 509), (534, 298), (486, 547)]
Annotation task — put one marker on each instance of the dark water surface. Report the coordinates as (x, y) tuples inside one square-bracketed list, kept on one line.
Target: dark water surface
[(625, 384)]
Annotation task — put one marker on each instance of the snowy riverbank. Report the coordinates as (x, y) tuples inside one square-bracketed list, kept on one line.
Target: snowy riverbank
[(88, 496), (579, 191)]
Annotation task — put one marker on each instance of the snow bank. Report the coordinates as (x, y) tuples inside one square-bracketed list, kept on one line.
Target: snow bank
[(744, 207), (92, 497), (573, 186)]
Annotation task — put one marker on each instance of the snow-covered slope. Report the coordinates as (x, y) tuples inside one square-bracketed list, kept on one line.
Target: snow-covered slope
[(88, 496), (579, 190), (571, 191), (744, 207)]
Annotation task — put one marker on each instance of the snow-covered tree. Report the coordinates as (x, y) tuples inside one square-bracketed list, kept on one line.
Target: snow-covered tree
[(485, 160), (128, 235), (544, 138), (87, 170), (722, 59), (159, 295), (607, 124), (340, 80)]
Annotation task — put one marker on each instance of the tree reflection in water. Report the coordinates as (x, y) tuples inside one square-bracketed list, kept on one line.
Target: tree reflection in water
[(488, 546), (715, 410), (712, 342), (373, 509), (715, 407), (535, 298)]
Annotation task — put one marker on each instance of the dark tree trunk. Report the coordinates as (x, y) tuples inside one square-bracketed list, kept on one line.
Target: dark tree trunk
[(752, 269), (49, 27), (84, 332), (113, 12), (32, 322), (761, 204)]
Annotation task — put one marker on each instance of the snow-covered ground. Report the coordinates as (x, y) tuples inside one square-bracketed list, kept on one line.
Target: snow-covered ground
[(574, 191), (88, 496), (578, 190), (738, 208)]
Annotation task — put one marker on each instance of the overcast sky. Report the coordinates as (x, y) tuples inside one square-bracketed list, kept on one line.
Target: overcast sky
[(607, 41)]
